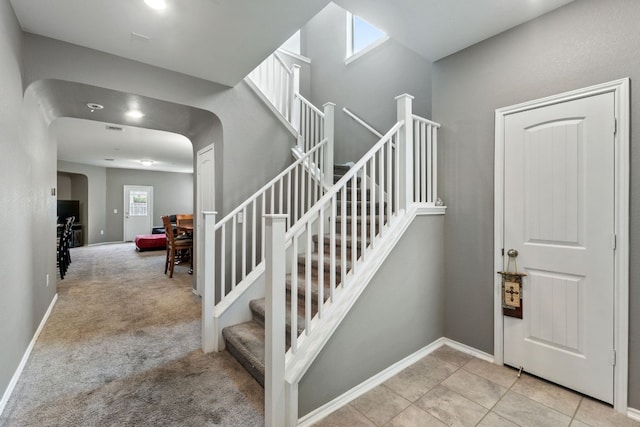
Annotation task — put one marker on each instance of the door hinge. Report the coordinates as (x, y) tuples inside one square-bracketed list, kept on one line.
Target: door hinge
[(613, 357), (614, 241), (615, 126)]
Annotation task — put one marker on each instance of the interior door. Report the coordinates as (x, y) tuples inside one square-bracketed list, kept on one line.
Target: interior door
[(559, 216), (205, 201), (138, 211)]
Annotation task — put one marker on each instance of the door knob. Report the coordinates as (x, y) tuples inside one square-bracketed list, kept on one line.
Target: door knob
[(512, 253)]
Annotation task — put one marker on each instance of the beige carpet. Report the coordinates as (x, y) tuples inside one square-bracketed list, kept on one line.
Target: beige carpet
[(122, 348)]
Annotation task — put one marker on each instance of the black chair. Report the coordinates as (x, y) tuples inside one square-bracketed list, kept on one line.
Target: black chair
[(63, 255)]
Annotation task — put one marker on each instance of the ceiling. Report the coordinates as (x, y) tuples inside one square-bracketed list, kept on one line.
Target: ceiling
[(437, 28), (92, 143), (223, 40)]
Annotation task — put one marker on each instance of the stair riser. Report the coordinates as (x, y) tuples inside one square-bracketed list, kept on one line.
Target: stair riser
[(358, 227), (255, 373), (327, 250), (314, 269), (378, 208)]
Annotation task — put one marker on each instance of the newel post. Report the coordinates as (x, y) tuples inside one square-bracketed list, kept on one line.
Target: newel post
[(293, 101), (275, 321), (209, 334), (329, 134), (405, 150)]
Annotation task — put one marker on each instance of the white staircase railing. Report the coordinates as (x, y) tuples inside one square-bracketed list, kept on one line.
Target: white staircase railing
[(377, 192), (425, 150), (234, 247), (278, 83)]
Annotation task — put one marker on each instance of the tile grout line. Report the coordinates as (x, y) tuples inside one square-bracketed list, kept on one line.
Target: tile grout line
[(498, 401)]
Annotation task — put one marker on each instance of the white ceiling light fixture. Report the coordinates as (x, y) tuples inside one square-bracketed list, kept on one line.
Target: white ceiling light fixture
[(135, 114), (146, 162), (156, 4)]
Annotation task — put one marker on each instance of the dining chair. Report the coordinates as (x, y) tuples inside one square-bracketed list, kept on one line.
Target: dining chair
[(177, 249)]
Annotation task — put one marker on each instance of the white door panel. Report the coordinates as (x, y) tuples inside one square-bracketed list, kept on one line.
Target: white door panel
[(205, 201), (138, 211), (559, 215)]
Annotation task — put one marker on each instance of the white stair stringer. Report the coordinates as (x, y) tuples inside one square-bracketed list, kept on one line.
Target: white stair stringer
[(335, 312)]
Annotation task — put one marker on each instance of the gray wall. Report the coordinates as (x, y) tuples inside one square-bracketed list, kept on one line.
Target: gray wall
[(366, 86), (172, 194), (256, 149), (73, 186), (64, 186), (251, 146), (404, 305), (28, 174), (585, 43), (95, 217)]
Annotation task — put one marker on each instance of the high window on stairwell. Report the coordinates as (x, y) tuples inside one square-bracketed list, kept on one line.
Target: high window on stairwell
[(292, 44), (362, 37)]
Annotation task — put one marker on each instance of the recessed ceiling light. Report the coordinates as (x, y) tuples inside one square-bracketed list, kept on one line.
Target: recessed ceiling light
[(156, 4), (146, 162), (135, 114)]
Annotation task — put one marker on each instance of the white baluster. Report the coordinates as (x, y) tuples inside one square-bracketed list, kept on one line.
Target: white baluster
[(434, 166), (295, 104)]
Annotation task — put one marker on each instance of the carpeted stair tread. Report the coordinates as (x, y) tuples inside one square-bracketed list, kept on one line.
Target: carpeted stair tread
[(315, 259), (314, 286), (259, 308), (326, 240), (245, 341), (341, 169), (349, 221)]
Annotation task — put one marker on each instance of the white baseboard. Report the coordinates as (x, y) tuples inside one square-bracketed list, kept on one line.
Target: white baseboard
[(371, 383), (469, 350), (634, 414), (381, 377), (25, 357)]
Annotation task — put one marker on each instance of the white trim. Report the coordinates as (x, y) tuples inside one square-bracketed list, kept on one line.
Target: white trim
[(350, 56), (469, 350), (334, 314), (272, 107), (430, 209), (368, 385), (362, 122), (16, 376), (366, 50), (634, 414), (378, 379), (294, 55), (621, 90), (199, 223)]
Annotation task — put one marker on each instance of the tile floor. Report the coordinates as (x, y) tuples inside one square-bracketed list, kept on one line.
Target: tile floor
[(451, 388)]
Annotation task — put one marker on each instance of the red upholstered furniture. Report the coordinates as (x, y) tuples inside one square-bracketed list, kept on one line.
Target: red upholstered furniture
[(150, 242)]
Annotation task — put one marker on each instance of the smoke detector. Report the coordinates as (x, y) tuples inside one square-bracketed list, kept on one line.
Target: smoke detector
[(93, 106)]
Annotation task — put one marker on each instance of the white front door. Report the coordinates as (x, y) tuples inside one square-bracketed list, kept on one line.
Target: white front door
[(205, 201), (559, 214), (138, 211)]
